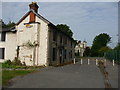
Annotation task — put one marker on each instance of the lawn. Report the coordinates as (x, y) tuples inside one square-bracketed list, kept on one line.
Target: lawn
[(9, 74), (0, 74)]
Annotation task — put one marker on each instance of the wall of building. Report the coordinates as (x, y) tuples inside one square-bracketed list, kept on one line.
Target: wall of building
[(10, 46), (80, 47), (65, 45), (43, 42), (42, 35), (37, 32)]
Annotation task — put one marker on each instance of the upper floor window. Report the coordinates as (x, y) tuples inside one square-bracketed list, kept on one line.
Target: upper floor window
[(71, 43), (2, 51), (54, 36), (65, 41), (60, 38), (2, 36)]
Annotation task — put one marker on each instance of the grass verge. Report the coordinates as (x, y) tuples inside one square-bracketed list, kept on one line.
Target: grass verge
[(9, 74), (0, 74)]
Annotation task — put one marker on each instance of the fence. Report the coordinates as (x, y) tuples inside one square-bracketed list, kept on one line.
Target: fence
[(113, 55)]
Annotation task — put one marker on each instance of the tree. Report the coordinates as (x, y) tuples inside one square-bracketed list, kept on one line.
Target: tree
[(99, 41), (9, 25), (103, 50), (117, 47), (66, 29), (87, 51)]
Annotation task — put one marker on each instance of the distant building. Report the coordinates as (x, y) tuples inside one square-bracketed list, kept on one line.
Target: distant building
[(36, 41), (80, 47)]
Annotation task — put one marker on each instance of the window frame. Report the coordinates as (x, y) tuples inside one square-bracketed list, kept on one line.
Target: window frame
[(2, 50), (3, 36), (54, 36), (54, 54)]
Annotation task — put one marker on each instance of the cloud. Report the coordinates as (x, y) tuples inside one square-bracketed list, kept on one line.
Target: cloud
[(60, 0), (86, 19)]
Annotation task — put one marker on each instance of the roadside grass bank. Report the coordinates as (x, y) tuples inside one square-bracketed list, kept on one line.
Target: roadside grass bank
[(0, 74), (10, 70), (7, 75), (105, 74)]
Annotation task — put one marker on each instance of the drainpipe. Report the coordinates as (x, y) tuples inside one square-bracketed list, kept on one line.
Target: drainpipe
[(34, 54)]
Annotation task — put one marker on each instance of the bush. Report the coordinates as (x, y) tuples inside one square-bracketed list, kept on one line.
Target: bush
[(13, 64), (24, 64), (8, 64), (16, 61)]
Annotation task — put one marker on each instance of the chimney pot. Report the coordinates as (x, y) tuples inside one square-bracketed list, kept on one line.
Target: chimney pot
[(34, 6)]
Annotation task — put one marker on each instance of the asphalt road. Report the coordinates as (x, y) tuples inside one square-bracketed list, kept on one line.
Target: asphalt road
[(68, 76)]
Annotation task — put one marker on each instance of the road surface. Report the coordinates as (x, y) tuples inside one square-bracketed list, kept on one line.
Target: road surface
[(68, 76)]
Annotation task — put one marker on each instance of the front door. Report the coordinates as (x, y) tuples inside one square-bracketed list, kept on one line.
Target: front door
[(60, 55)]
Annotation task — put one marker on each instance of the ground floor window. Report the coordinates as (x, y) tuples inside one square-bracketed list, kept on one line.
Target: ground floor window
[(2, 52), (71, 53), (65, 54), (54, 54)]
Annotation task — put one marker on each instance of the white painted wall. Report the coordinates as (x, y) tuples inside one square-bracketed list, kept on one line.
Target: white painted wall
[(10, 46), (43, 42), (25, 34)]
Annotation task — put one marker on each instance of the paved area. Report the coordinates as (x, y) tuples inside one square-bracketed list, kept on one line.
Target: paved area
[(68, 76)]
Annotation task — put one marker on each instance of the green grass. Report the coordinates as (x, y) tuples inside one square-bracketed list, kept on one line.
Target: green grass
[(0, 74), (9, 74)]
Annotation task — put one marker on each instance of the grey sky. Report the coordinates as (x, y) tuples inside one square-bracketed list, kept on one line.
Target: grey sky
[(86, 19)]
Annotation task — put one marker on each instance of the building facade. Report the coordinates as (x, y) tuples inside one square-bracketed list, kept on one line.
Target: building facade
[(80, 48), (37, 41)]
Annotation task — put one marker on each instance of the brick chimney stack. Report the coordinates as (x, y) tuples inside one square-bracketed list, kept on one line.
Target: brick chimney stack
[(34, 6)]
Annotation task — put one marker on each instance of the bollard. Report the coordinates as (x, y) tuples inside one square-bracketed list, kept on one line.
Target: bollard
[(81, 60), (113, 62), (74, 60), (105, 62), (96, 62), (88, 61)]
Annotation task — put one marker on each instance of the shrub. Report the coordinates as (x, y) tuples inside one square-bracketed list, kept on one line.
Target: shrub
[(24, 64), (16, 61), (8, 62)]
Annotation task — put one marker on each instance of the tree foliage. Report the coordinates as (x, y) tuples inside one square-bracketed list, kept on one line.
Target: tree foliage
[(87, 52), (9, 25), (103, 49), (66, 29), (117, 47), (99, 42)]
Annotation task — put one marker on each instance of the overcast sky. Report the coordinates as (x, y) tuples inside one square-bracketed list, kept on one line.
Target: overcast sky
[(86, 19)]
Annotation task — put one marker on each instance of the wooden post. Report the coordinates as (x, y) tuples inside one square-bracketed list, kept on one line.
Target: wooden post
[(96, 62), (113, 63), (88, 61), (74, 60), (81, 60), (105, 62)]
